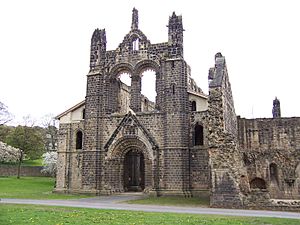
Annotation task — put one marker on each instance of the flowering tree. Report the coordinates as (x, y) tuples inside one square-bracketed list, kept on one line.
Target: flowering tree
[(49, 162), (9, 154)]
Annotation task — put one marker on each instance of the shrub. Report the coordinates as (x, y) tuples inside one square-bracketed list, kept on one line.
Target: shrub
[(49, 162)]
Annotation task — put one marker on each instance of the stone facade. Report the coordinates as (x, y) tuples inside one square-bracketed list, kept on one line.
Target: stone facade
[(270, 151), (184, 143)]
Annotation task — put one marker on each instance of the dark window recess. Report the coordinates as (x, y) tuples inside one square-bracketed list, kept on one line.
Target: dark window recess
[(198, 135), (194, 106), (258, 183), (79, 140), (83, 114), (246, 160), (134, 171), (273, 172)]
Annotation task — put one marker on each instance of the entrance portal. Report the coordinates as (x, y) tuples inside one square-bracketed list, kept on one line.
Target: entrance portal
[(134, 171)]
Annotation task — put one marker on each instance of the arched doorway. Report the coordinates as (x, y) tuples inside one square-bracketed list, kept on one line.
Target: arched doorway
[(134, 171)]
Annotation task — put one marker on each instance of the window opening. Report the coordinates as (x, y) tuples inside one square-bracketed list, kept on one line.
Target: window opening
[(257, 183), (198, 139), (135, 45), (125, 78), (273, 172), (79, 136), (83, 114), (194, 108), (148, 85)]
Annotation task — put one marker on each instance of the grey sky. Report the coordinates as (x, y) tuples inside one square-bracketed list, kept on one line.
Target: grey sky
[(44, 48)]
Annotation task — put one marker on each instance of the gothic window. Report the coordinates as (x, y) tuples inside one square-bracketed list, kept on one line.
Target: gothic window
[(198, 135), (194, 108), (79, 140), (258, 183), (273, 172)]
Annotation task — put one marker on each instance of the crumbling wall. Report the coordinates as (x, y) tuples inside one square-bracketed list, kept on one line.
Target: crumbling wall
[(270, 149), (228, 178)]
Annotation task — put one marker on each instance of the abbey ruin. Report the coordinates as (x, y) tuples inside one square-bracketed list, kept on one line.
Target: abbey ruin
[(183, 143)]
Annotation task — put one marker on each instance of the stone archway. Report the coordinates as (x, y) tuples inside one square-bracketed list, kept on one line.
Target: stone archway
[(134, 171), (129, 165)]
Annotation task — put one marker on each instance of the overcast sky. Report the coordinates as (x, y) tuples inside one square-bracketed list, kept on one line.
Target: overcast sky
[(45, 45)]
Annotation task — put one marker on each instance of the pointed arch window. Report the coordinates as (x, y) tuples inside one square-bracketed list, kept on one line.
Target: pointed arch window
[(79, 139)]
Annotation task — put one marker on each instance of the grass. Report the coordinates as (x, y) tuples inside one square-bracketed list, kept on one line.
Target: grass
[(174, 201), (27, 162), (31, 187), (30, 214), (35, 162)]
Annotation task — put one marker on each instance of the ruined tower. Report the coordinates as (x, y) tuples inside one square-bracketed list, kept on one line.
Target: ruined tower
[(276, 108)]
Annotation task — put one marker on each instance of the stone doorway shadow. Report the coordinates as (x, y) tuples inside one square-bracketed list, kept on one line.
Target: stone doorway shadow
[(134, 171)]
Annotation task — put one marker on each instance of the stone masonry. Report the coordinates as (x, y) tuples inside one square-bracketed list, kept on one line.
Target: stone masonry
[(185, 143)]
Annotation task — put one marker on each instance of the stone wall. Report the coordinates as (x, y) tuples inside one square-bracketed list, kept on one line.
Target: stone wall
[(26, 171), (227, 173), (164, 131), (69, 164), (199, 158), (270, 149)]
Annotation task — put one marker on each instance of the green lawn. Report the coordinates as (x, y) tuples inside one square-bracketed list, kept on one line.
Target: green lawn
[(35, 162), (175, 201), (26, 162), (31, 187), (30, 214)]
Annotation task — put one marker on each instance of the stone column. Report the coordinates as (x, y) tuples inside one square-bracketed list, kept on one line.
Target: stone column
[(158, 89), (135, 94)]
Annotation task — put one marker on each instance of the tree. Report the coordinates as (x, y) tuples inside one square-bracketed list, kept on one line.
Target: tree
[(49, 162), (5, 131), (29, 139), (9, 154), (50, 132), (5, 115)]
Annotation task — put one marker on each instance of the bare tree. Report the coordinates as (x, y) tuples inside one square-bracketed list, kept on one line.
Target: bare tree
[(28, 121), (50, 125), (5, 115)]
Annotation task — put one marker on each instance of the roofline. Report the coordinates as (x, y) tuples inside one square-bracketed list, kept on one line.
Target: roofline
[(70, 110), (202, 95)]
